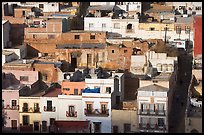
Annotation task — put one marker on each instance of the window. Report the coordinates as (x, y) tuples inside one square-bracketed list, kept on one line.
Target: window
[(41, 6), (49, 105), (52, 120), (152, 108), (71, 111), (115, 129), (14, 103), (178, 29), (103, 25), (161, 109), (143, 121), (117, 25), (76, 36), (97, 127), (152, 122), (25, 120), (103, 108), (75, 91), (25, 107), (36, 107), (91, 25), (144, 108), (24, 78), (53, 5), (44, 126), (34, 36), (125, 51), (66, 89), (23, 13), (51, 36), (118, 100), (36, 126), (127, 127), (129, 26), (2, 103), (89, 107), (92, 36), (44, 77), (160, 122), (112, 51), (108, 90), (89, 59), (14, 124), (152, 28), (187, 29)]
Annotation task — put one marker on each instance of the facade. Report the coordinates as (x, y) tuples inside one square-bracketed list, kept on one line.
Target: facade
[(5, 34), (20, 51), (96, 108), (161, 62), (30, 114), (72, 88), (153, 108), (137, 64), (197, 35)]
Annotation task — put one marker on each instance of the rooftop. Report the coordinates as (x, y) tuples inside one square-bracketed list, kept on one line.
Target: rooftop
[(7, 53), (184, 20), (153, 87), (81, 46), (14, 87), (101, 7), (52, 93), (162, 77), (4, 21)]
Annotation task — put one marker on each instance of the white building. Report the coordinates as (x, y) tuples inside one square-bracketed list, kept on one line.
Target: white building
[(161, 62), (153, 108), (113, 86), (69, 107), (130, 6), (96, 108), (138, 64)]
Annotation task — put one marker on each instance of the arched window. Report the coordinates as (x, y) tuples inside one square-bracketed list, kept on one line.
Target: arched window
[(164, 67), (159, 67), (170, 67), (129, 26)]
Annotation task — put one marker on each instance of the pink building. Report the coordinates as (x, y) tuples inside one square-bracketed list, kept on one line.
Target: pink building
[(10, 105), (25, 77)]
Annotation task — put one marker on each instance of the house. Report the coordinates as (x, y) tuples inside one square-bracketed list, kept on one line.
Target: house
[(49, 109), (30, 114), (96, 108), (20, 51), (8, 56), (72, 88), (153, 108), (125, 120), (130, 7), (112, 85), (161, 62)]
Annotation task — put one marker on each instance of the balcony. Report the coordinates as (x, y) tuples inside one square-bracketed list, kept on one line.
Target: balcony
[(152, 112), (49, 109), (71, 114), (97, 112), (155, 127), (9, 107), (30, 110)]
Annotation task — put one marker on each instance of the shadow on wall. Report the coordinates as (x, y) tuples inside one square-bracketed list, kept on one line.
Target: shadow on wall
[(17, 33), (32, 52)]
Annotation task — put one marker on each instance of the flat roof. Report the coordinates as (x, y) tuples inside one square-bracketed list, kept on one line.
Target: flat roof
[(52, 93), (184, 20), (101, 7), (81, 46)]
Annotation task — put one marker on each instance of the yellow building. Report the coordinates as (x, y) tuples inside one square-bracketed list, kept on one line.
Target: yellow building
[(30, 114), (156, 26)]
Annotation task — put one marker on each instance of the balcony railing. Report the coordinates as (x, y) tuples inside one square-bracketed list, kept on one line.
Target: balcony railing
[(31, 110), (152, 112), (49, 109), (96, 112), (9, 107), (143, 126), (71, 114)]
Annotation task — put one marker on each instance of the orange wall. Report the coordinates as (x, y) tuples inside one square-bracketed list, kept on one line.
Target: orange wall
[(72, 86)]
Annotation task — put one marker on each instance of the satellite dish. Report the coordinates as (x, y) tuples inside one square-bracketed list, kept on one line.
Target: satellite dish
[(68, 77)]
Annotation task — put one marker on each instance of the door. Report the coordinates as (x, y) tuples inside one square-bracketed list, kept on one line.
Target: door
[(14, 124), (36, 126), (74, 60)]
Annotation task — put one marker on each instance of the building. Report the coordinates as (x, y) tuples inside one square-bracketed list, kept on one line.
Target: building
[(153, 108), (5, 34), (130, 7), (8, 56), (193, 113), (125, 120), (72, 88), (96, 108), (197, 35), (49, 109), (161, 62), (30, 114)]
